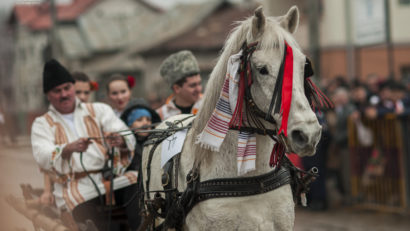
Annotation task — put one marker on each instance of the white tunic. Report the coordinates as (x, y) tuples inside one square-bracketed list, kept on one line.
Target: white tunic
[(49, 135), (169, 109)]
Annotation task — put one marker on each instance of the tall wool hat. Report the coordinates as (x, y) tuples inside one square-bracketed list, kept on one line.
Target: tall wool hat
[(55, 74), (179, 65)]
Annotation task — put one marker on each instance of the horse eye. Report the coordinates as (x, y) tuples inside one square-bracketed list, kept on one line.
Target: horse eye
[(308, 68), (263, 71)]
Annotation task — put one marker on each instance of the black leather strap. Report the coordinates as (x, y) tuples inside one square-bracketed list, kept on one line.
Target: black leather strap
[(244, 186), (259, 131), (167, 183)]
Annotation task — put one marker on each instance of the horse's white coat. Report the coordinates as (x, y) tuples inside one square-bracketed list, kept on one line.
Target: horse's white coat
[(273, 210)]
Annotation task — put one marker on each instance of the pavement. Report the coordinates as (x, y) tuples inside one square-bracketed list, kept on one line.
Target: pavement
[(350, 219), (17, 166)]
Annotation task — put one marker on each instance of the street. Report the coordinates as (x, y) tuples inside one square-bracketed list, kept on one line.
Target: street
[(18, 166)]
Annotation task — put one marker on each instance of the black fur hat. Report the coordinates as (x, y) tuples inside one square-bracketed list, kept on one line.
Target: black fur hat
[(55, 74)]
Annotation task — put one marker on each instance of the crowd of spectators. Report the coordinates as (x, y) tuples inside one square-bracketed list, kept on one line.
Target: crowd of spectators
[(356, 100)]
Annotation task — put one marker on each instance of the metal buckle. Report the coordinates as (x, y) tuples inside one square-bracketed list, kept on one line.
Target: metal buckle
[(167, 179), (192, 176)]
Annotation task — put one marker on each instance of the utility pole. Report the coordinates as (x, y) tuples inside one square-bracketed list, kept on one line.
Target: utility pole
[(53, 37), (350, 49), (390, 54), (313, 15)]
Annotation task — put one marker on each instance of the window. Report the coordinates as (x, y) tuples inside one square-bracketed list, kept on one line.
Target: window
[(404, 2)]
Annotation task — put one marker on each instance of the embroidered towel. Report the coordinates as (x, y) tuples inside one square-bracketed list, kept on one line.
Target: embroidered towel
[(217, 126)]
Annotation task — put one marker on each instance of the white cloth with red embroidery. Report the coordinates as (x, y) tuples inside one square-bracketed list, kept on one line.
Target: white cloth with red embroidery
[(48, 154), (217, 127)]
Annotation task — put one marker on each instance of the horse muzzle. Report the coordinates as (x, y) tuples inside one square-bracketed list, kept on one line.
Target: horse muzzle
[(304, 141)]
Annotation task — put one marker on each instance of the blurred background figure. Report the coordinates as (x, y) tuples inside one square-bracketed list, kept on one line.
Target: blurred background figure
[(373, 86), (385, 103), (83, 86), (339, 152), (119, 92), (401, 99), (317, 196)]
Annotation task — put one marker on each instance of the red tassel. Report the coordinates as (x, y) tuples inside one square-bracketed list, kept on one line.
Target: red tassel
[(276, 155), (237, 115), (323, 99)]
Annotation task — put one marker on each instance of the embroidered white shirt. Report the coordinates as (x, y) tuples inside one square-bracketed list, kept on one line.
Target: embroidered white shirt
[(47, 151)]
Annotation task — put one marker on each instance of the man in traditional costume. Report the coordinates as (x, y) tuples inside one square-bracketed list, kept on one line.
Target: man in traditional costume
[(181, 71), (68, 145)]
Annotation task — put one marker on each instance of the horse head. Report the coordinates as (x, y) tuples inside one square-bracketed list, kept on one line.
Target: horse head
[(273, 37)]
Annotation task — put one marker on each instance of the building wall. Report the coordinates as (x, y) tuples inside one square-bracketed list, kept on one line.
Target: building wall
[(28, 69), (27, 76), (333, 63), (110, 25), (372, 60), (402, 60), (367, 59), (400, 16), (332, 23)]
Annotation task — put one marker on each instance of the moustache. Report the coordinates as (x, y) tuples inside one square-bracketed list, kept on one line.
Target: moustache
[(64, 99)]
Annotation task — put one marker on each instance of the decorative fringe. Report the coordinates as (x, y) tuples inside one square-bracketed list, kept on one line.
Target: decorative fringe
[(277, 154), (316, 97), (237, 115), (205, 146)]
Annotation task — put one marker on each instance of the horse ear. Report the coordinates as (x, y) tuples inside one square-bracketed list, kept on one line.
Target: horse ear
[(258, 22), (290, 21)]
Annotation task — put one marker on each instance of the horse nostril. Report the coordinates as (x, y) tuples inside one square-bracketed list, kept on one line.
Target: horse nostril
[(299, 137)]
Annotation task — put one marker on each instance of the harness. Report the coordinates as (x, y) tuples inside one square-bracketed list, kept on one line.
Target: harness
[(176, 205)]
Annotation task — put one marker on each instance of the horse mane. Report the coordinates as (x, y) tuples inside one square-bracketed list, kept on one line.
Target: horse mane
[(273, 37)]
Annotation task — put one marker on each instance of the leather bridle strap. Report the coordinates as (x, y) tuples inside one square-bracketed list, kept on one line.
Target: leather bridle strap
[(275, 101), (259, 131)]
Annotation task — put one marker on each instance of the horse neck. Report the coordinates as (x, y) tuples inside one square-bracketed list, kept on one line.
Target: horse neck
[(224, 163)]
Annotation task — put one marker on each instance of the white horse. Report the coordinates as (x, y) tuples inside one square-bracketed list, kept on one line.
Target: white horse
[(273, 210)]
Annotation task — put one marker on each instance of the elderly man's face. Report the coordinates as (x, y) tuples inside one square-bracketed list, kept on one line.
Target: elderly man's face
[(62, 98)]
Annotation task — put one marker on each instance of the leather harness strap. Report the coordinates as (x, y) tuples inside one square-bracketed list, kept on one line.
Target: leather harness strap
[(243, 186), (177, 204)]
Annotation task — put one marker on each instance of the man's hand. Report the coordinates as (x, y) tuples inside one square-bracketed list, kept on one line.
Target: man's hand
[(80, 145), (114, 139), (46, 198)]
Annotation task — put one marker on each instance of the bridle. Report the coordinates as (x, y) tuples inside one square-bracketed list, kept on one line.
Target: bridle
[(254, 115)]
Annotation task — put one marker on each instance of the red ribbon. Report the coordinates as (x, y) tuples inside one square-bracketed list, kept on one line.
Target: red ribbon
[(286, 90)]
